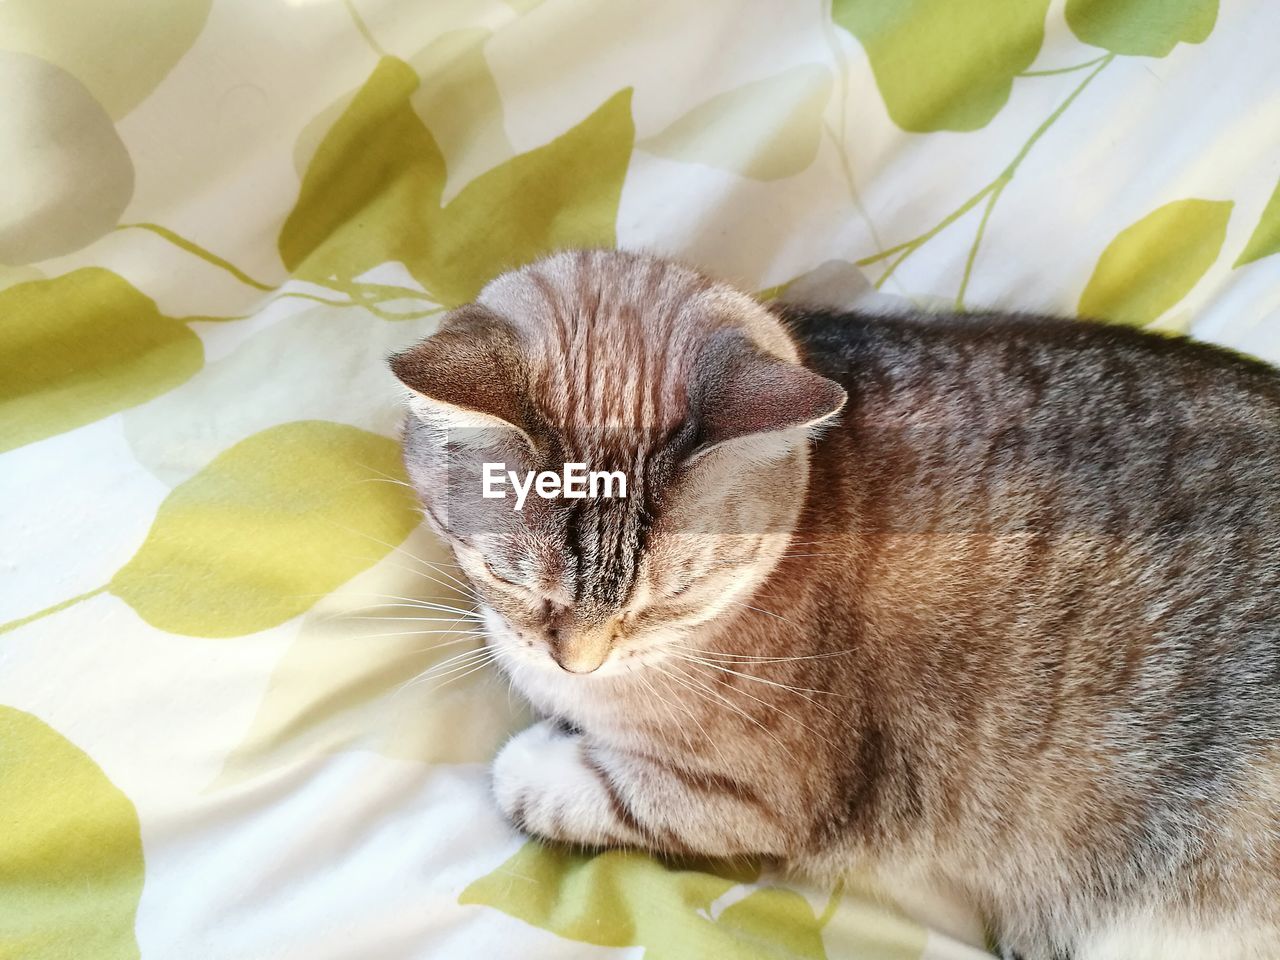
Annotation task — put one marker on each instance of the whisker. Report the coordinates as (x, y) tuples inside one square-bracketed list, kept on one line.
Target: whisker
[(666, 705), (776, 708), (767, 613), (462, 634), (455, 663), (448, 619), (510, 686), (690, 714), (451, 585), (435, 646), (474, 667), (402, 606), (399, 549), (440, 686), (423, 604), (414, 620), (772, 683), (420, 631), (398, 483), (432, 607), (466, 657), (445, 643), (474, 651), (696, 686), (730, 657), (459, 584), (336, 594), (383, 476)]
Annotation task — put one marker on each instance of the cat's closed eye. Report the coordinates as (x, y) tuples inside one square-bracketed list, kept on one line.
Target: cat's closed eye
[(506, 579), (683, 587)]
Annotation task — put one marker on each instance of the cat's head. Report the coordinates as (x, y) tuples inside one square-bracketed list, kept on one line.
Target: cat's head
[(627, 365)]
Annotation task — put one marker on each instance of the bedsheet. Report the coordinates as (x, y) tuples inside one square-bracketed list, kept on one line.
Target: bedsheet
[(222, 733)]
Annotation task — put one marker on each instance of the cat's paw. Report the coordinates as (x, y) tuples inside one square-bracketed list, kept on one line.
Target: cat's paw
[(1009, 953), (546, 786), (521, 771)]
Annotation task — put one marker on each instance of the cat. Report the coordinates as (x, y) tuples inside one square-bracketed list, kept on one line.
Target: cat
[(984, 600)]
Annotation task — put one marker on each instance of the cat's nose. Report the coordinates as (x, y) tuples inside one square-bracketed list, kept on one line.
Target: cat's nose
[(574, 660), (581, 649)]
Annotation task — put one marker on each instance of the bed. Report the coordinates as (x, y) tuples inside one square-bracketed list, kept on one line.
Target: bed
[(229, 729)]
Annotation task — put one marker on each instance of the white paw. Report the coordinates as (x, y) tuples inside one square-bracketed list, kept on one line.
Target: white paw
[(518, 770), (544, 787)]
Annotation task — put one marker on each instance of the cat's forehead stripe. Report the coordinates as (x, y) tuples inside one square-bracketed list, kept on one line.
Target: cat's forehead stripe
[(603, 335)]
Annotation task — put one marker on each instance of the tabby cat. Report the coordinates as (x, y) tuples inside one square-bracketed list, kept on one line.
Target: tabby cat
[(984, 600)]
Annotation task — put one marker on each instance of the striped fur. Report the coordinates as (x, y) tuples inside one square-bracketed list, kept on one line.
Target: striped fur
[(1010, 622)]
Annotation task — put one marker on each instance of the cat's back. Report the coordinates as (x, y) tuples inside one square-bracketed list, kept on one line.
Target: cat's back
[(1057, 552), (1024, 478), (1066, 536), (1099, 416), (1017, 355)]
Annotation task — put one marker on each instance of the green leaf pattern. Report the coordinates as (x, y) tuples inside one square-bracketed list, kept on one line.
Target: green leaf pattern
[(1154, 263), (80, 346), (628, 899), (279, 519), (373, 193), (1142, 28), (945, 64), (71, 861), (1265, 239)]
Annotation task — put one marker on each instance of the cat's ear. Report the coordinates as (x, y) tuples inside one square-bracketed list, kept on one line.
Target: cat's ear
[(468, 378), (744, 393)]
